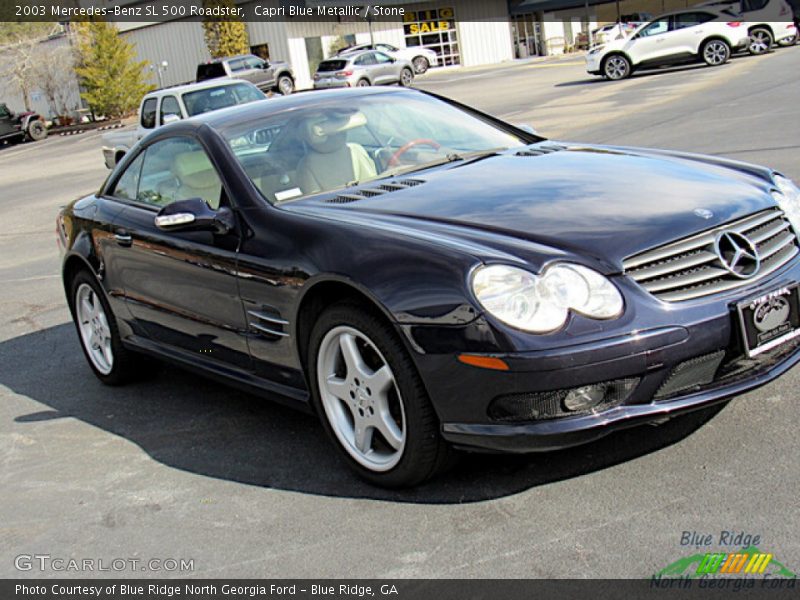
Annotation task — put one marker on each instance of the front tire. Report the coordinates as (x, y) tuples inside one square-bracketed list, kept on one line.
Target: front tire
[(110, 361), (406, 77), (616, 67), (421, 65), (760, 41), (284, 85), (715, 53), (371, 400), (36, 130)]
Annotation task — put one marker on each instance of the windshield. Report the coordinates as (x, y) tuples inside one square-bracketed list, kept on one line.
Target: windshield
[(215, 98), (341, 141)]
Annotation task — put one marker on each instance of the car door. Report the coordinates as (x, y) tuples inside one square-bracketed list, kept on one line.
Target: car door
[(263, 74), (169, 107), (6, 121), (180, 287), (651, 43), (387, 68), (688, 31)]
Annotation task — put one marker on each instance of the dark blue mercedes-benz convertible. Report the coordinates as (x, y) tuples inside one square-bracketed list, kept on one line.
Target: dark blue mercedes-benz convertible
[(424, 276)]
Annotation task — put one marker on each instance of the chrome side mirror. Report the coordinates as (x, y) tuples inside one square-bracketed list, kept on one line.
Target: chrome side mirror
[(194, 215)]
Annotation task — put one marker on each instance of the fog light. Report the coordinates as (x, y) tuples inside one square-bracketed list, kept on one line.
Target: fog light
[(584, 398)]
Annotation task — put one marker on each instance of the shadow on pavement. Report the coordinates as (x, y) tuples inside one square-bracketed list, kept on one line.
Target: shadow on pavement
[(597, 79), (202, 427)]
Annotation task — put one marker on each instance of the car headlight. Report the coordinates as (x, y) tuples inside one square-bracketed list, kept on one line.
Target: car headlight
[(788, 198), (542, 303)]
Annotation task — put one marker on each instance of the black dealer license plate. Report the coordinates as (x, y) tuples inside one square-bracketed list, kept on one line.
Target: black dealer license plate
[(770, 320)]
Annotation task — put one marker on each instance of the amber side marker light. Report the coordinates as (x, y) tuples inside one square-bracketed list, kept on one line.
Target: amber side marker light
[(484, 362)]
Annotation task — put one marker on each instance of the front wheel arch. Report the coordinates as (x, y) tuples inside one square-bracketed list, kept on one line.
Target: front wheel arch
[(319, 296), (611, 55)]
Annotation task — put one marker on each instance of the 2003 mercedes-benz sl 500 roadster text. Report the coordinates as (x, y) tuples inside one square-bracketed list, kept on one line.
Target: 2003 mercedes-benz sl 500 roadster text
[(424, 276)]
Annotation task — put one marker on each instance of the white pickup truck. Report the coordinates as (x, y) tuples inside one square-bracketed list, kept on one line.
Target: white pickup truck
[(173, 104)]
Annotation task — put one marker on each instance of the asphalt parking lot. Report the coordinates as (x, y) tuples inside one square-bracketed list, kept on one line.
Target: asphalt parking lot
[(182, 468)]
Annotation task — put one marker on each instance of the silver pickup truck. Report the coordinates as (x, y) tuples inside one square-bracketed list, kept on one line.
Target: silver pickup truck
[(173, 104)]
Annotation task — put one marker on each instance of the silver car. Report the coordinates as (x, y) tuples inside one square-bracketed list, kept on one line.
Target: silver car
[(364, 68)]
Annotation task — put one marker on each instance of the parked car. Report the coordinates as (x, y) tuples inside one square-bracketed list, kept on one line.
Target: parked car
[(174, 103), (17, 127), (265, 75), (768, 21), (611, 32), (421, 275), (673, 38), (420, 57), (362, 69)]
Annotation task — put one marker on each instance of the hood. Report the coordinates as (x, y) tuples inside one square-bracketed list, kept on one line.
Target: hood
[(601, 203)]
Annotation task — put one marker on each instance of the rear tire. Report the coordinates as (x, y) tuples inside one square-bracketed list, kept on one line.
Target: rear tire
[(371, 400), (715, 52), (363, 83), (785, 43), (406, 77), (111, 362), (421, 65), (36, 130), (616, 67), (760, 41)]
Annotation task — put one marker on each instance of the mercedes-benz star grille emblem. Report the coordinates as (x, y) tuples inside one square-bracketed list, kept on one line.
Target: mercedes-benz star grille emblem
[(737, 254)]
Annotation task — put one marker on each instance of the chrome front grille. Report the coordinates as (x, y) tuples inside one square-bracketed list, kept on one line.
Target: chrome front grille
[(690, 268)]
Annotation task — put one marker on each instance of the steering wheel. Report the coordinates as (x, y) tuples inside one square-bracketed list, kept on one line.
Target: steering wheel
[(395, 160)]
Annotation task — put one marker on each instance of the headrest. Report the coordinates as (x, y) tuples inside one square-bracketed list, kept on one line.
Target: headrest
[(327, 132), (194, 169)]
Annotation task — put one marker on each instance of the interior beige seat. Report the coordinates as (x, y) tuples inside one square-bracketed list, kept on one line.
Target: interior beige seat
[(331, 162), (196, 177)]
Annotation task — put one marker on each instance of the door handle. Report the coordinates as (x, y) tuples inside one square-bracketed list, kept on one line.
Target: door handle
[(123, 238)]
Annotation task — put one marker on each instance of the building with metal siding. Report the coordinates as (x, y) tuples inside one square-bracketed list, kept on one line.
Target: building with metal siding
[(478, 33)]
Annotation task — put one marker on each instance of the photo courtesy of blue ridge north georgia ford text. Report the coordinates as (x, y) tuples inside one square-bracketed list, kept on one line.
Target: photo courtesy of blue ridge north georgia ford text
[(440, 299)]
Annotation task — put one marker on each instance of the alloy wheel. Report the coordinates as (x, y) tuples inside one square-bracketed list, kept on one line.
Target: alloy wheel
[(421, 65), (406, 77), (760, 41), (286, 86), (716, 53), (617, 67), (94, 328), (361, 399)]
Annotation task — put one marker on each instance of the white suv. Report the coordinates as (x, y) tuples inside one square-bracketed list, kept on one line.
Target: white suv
[(674, 38), (768, 21)]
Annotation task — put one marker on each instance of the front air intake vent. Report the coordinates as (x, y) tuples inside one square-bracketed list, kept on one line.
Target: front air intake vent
[(696, 266), (361, 194)]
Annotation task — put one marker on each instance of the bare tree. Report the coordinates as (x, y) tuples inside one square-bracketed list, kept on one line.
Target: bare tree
[(20, 45), (53, 73)]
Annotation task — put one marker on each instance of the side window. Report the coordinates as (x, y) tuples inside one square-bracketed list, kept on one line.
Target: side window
[(253, 63), (366, 60), (170, 106), (382, 58), (656, 28), (685, 20), (128, 184), (236, 65), (148, 116), (4, 112), (178, 169)]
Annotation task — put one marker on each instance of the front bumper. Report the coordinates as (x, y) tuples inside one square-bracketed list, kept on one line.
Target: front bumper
[(644, 349), (593, 63)]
